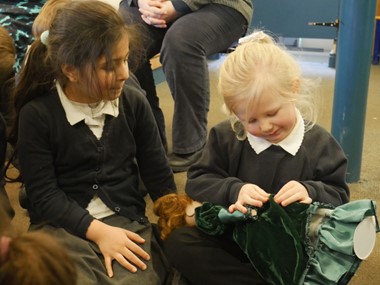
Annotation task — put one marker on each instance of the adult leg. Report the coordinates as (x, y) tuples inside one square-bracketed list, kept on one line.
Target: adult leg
[(152, 38), (184, 52), (203, 259)]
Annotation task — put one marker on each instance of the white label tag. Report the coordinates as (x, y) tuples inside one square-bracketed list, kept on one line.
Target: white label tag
[(365, 237)]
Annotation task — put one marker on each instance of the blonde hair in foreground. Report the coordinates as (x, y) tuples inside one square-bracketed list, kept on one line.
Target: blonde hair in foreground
[(260, 64)]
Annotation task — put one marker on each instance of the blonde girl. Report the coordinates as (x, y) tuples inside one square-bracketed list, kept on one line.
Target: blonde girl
[(271, 146)]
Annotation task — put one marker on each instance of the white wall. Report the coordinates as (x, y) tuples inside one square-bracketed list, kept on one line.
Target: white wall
[(325, 44)]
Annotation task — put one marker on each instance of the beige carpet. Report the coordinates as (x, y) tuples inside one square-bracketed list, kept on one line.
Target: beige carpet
[(314, 65)]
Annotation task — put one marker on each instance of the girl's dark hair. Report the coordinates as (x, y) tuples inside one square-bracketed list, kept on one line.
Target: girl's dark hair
[(80, 33)]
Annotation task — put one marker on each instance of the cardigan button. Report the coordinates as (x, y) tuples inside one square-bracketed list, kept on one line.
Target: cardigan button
[(95, 187), (117, 209)]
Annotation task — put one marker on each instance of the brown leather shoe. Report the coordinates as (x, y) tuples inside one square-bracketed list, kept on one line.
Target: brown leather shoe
[(182, 162)]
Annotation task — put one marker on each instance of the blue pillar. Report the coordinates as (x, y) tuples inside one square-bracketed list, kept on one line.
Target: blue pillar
[(353, 62)]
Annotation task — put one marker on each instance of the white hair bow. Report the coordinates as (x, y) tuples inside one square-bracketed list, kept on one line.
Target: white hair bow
[(255, 36)]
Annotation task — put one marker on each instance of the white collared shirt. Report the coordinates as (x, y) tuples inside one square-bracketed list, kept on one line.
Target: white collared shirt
[(93, 117), (290, 144)]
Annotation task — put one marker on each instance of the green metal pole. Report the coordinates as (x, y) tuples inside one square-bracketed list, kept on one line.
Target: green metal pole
[(353, 62)]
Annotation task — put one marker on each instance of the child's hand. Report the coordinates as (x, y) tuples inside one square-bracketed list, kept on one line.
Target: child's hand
[(250, 194), (118, 244), (291, 192)]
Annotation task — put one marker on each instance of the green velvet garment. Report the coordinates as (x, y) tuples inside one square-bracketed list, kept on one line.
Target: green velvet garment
[(297, 244), (329, 240), (274, 232)]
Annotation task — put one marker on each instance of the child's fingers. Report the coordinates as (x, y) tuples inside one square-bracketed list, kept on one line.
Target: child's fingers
[(237, 207), (108, 264), (308, 200), (130, 261), (134, 237), (262, 193)]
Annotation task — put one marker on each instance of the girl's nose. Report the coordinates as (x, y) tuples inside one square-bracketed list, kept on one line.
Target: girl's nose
[(123, 72), (265, 126)]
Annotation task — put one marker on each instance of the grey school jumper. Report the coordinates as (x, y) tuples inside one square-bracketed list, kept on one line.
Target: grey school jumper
[(227, 163)]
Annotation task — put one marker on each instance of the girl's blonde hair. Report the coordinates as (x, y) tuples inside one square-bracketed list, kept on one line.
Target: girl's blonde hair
[(260, 64)]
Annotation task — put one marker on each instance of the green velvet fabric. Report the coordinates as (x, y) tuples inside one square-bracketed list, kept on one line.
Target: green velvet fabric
[(214, 219), (298, 244), (273, 233), (206, 219), (274, 244)]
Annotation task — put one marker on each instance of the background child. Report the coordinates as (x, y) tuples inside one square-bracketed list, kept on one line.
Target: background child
[(8, 58), (267, 148), (17, 17), (85, 133), (46, 16)]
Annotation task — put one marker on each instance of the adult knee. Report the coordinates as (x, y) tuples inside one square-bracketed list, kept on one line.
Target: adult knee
[(177, 45)]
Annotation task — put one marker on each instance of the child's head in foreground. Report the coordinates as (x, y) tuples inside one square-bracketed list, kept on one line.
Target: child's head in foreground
[(263, 89), (32, 257)]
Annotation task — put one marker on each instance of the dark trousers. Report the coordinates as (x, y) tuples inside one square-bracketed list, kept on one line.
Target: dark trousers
[(204, 259), (184, 47), (89, 260)]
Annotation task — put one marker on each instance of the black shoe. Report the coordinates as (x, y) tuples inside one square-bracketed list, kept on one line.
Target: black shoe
[(182, 162)]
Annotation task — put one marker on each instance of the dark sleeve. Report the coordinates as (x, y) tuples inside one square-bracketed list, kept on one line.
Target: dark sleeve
[(151, 156), (46, 199), (181, 7), (330, 169), (213, 178), (131, 2), (194, 5)]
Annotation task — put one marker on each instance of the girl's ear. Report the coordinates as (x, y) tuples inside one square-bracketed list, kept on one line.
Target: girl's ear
[(296, 86), (70, 72)]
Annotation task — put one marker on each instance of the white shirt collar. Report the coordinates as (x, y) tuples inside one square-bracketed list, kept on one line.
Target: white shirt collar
[(290, 144), (76, 112)]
